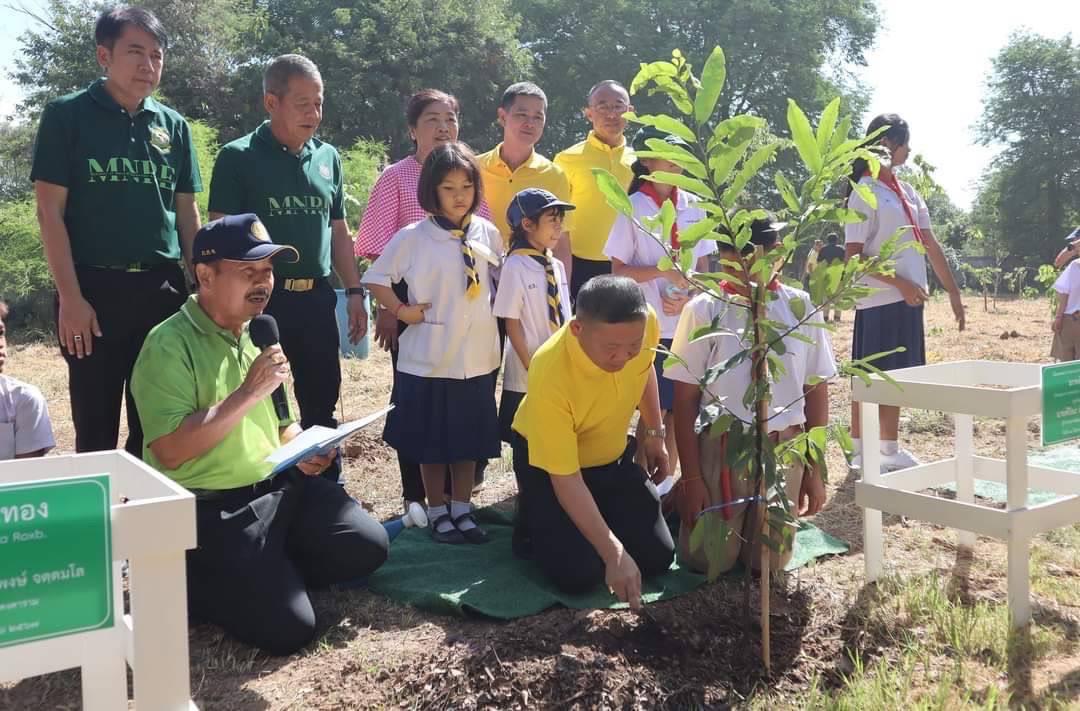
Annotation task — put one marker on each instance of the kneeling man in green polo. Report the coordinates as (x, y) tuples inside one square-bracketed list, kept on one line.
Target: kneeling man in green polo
[(203, 390)]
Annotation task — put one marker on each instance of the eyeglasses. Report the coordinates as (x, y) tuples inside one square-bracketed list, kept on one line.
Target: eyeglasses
[(606, 108)]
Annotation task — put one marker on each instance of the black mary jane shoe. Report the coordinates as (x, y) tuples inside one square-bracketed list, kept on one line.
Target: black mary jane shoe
[(474, 534), (453, 536)]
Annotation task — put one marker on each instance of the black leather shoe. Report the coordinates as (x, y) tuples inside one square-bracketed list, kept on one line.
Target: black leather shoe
[(453, 536), (474, 534)]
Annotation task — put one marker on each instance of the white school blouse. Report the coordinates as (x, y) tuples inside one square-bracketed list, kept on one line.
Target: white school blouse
[(522, 295), (634, 248), (879, 226), (802, 361), (24, 419), (1068, 285), (458, 338)]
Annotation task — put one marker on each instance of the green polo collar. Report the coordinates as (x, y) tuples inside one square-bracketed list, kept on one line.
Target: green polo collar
[(265, 135), (100, 94), (203, 323)]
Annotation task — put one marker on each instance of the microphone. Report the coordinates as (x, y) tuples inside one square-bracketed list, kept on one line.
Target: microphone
[(264, 333)]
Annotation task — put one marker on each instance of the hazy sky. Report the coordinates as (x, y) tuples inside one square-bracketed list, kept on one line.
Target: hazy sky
[(929, 65)]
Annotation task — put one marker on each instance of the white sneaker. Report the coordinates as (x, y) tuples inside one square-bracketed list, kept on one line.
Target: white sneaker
[(903, 459), (415, 515)]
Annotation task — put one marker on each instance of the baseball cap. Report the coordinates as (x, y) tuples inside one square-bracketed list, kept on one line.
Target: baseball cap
[(764, 231), (530, 202), (238, 238), (646, 132), (1073, 236)]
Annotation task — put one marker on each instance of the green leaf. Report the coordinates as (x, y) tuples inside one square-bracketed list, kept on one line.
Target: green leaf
[(650, 71), (667, 219), (841, 134), (686, 259), (676, 154), (683, 182), (667, 124), (843, 437), (866, 193), (713, 75), (826, 126), (803, 136), (749, 169), (798, 307), (697, 231), (613, 191), (665, 263), (787, 191), (697, 534)]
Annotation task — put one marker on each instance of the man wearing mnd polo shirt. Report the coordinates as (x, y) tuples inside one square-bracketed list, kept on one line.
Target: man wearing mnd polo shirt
[(604, 148), (114, 176), (293, 182), (514, 164), (204, 394), (587, 514)]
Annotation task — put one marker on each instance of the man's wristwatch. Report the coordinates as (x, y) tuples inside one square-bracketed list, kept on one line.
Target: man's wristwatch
[(356, 291), (654, 432)]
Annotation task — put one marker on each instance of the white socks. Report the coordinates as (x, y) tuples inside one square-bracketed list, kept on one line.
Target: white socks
[(889, 447), (434, 512), (460, 508)]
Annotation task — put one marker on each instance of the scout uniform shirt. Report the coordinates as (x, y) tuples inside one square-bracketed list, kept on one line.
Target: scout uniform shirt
[(122, 173), (802, 361), (187, 364), (593, 218), (501, 185), (295, 196), (24, 419), (575, 414)]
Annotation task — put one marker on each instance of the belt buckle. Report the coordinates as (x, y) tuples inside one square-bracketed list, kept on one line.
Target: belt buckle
[(299, 284), (134, 267)]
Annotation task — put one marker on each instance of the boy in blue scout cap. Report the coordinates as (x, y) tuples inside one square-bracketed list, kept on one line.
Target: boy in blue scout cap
[(203, 391)]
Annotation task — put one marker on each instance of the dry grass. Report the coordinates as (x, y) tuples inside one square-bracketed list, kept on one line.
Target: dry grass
[(935, 635)]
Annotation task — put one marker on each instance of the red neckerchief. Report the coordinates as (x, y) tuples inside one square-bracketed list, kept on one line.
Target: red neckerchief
[(649, 189), (729, 288), (893, 184)]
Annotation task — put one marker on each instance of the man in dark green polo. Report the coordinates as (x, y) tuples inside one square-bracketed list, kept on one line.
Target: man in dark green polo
[(293, 182), (114, 175), (204, 393)]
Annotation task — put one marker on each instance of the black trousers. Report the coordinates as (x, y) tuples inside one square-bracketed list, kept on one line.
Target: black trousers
[(583, 270), (628, 502), (262, 547), (307, 322), (412, 481), (128, 305)]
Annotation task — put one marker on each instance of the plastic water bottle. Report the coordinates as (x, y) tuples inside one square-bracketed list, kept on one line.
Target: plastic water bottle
[(673, 292)]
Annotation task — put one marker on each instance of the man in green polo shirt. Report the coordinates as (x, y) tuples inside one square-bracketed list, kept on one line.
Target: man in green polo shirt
[(204, 394), (114, 175), (293, 182)]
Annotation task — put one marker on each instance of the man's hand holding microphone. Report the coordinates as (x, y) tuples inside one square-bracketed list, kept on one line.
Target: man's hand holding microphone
[(267, 376)]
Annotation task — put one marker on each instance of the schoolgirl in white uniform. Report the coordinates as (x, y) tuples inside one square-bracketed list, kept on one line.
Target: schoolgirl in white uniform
[(706, 483), (444, 397), (533, 297), (635, 254)]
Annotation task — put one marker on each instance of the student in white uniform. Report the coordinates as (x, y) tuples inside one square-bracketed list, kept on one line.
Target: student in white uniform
[(635, 254), (533, 296), (444, 395), (1066, 324), (25, 429), (707, 485)]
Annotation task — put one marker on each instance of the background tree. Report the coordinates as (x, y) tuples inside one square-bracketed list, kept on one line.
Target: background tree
[(1031, 196)]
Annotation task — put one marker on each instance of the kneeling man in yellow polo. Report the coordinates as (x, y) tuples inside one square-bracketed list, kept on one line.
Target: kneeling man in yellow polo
[(587, 514), (203, 391)]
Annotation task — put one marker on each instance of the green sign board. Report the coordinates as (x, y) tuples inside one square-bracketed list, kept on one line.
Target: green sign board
[(1060, 402), (55, 559)]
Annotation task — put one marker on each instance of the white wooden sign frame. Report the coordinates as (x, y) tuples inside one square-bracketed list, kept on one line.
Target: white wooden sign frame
[(1009, 391), (151, 531)]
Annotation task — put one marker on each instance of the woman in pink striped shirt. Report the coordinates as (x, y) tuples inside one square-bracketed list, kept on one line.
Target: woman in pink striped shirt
[(393, 204)]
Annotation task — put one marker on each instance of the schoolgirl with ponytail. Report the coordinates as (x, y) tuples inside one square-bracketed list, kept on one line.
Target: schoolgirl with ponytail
[(891, 317)]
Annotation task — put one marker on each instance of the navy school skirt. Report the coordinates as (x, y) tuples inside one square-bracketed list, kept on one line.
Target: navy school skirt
[(444, 420), (883, 328)]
